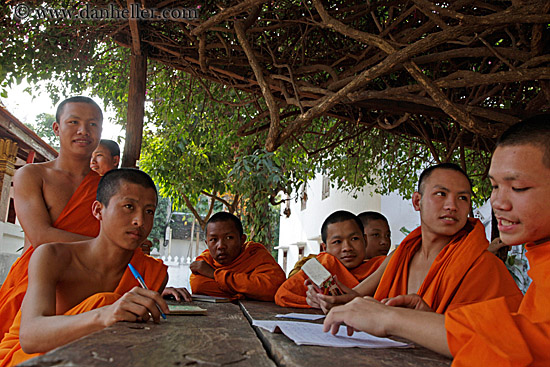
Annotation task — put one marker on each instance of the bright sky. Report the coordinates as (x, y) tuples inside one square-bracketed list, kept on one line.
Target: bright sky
[(22, 105)]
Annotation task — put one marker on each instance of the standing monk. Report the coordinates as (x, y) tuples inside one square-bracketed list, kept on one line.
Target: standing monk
[(490, 333), (53, 200), (233, 268)]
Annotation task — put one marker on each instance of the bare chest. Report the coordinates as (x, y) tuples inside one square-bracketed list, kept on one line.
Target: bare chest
[(57, 190), (72, 291), (418, 270)]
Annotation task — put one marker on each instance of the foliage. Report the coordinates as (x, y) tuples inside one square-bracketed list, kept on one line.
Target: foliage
[(43, 128), (161, 221)]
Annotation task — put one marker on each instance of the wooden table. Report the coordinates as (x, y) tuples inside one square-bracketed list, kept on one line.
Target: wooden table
[(223, 337)]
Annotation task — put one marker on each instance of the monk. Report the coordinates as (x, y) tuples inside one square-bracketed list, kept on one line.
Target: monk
[(105, 157), (490, 333), (91, 286), (233, 268), (53, 200), (445, 260), (377, 234), (345, 246)]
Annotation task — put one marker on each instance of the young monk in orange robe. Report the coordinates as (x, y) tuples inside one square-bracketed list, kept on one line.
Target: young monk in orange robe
[(493, 332), (232, 268), (344, 242), (445, 260), (125, 205), (455, 275)]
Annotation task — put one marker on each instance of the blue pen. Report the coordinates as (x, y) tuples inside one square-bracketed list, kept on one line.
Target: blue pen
[(143, 285)]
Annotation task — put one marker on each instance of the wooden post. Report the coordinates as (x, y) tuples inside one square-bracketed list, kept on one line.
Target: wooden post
[(8, 155), (136, 103), (136, 95)]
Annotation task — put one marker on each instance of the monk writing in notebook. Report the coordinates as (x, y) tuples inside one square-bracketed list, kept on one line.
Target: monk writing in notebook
[(66, 302), (233, 268), (445, 260), (494, 332), (53, 200), (344, 249)]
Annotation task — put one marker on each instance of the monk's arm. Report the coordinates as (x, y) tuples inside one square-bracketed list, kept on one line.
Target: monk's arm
[(42, 330), (261, 283), (367, 314), (32, 210), (368, 286)]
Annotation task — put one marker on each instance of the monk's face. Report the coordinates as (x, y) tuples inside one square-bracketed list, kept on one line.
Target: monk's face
[(102, 160), (378, 237), (78, 128), (346, 242), (224, 241), (444, 204), (128, 218), (521, 193)]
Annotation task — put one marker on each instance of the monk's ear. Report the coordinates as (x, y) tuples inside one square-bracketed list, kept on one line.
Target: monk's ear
[(55, 127), (116, 161), (416, 200), (243, 238), (365, 236), (97, 208), (323, 247)]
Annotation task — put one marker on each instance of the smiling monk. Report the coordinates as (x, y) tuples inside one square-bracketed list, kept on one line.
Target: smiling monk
[(444, 261), (233, 268), (344, 248)]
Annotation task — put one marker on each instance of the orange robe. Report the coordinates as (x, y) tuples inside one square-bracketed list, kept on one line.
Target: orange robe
[(493, 334), (153, 271), (254, 274), (464, 272), (293, 291), (77, 218)]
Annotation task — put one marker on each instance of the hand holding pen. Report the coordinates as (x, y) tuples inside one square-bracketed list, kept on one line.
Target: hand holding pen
[(141, 282)]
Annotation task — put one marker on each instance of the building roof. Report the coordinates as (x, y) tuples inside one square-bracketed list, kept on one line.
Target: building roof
[(27, 140)]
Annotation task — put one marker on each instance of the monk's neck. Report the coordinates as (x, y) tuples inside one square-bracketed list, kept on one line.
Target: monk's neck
[(432, 244), (107, 257), (73, 165)]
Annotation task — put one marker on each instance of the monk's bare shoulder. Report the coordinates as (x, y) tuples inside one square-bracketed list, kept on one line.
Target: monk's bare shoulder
[(30, 173)]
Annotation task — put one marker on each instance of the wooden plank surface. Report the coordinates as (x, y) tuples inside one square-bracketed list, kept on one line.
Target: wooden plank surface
[(223, 337), (286, 353)]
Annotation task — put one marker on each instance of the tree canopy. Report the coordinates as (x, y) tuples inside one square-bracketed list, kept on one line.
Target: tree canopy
[(253, 97)]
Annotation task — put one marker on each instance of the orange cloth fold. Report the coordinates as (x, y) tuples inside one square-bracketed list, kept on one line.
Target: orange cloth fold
[(464, 272), (153, 272), (76, 217), (493, 334), (254, 274), (292, 293)]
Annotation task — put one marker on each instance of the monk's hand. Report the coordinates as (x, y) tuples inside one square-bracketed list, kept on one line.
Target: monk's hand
[(180, 294), (361, 314), (136, 305), (311, 294), (327, 302), (413, 301), (203, 268)]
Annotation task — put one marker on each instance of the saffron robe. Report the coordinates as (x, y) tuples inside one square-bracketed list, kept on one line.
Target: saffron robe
[(464, 272), (492, 333), (293, 291), (254, 274), (153, 271), (76, 217)]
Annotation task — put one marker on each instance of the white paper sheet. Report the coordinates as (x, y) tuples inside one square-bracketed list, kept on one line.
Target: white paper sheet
[(301, 316), (306, 333)]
